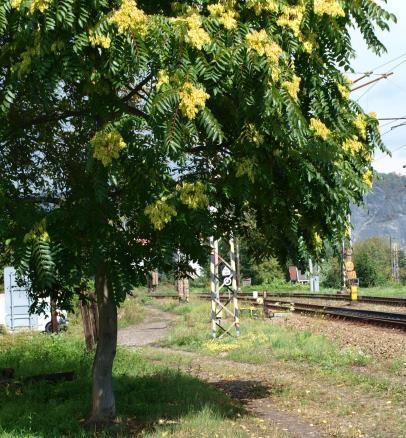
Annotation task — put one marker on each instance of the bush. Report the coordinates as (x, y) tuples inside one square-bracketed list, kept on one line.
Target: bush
[(372, 261)]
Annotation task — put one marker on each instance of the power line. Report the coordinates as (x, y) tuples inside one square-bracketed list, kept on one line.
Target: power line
[(392, 151), (390, 62)]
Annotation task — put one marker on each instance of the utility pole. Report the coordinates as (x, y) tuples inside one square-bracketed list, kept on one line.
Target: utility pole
[(224, 279)]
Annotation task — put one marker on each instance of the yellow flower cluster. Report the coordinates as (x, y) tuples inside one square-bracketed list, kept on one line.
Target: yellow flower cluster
[(163, 78), (107, 146), (361, 124), (100, 40), (291, 17), (352, 145), (246, 167), (225, 17), (373, 115), (196, 35), (262, 5), (344, 91), (367, 177), (39, 232), (219, 347), (130, 18), (292, 87), (328, 7), (259, 42), (319, 128), (317, 241), (39, 5), (15, 4), (160, 213), (192, 100), (193, 194)]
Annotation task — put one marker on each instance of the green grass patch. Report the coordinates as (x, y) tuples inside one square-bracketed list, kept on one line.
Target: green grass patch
[(149, 397), (260, 341)]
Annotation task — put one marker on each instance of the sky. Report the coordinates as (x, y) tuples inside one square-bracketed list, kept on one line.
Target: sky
[(387, 97)]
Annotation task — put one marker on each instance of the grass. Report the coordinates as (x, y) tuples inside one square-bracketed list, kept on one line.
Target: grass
[(327, 383), (152, 398), (259, 341)]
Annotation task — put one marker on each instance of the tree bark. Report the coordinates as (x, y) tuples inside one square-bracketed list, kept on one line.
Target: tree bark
[(54, 317), (104, 406)]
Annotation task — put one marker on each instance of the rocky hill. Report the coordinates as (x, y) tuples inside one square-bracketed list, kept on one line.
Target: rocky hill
[(384, 212)]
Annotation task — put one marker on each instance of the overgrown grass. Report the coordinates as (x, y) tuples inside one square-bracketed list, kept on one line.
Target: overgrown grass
[(152, 398), (259, 341)]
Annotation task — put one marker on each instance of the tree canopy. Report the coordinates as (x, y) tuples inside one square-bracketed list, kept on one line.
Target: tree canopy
[(122, 122)]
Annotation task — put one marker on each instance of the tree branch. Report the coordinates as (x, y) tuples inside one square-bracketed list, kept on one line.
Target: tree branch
[(139, 87), (136, 111), (45, 118)]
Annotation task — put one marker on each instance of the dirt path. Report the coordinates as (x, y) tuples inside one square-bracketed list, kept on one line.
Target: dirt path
[(251, 393), (152, 329)]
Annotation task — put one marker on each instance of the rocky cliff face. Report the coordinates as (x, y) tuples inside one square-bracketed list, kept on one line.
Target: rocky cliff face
[(384, 212)]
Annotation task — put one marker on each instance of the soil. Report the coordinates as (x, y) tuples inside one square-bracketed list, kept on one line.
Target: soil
[(154, 327)]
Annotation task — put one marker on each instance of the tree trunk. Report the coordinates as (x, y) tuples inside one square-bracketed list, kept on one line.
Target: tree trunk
[(54, 317), (104, 407)]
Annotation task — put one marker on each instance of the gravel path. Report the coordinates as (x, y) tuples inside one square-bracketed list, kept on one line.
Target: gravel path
[(151, 330)]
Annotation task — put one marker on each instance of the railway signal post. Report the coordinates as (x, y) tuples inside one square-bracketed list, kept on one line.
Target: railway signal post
[(223, 276)]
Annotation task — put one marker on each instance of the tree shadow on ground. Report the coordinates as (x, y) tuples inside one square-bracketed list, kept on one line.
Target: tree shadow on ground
[(145, 400)]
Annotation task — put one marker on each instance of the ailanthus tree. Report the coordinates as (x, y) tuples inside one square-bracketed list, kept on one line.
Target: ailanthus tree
[(121, 122)]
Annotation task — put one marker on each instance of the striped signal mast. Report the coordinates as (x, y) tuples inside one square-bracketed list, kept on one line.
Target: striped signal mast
[(224, 277)]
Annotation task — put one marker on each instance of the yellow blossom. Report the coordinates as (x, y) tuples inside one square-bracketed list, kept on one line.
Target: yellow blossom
[(319, 128), (373, 115), (246, 167), (163, 78), (15, 4), (292, 87), (130, 18), (361, 124), (228, 20), (308, 47), (259, 42), (219, 347), (367, 177), (107, 146), (344, 91), (100, 40), (193, 194), (160, 213), (216, 10), (328, 7), (38, 231), (196, 35), (262, 5), (192, 100), (39, 5), (291, 17), (318, 241), (352, 145)]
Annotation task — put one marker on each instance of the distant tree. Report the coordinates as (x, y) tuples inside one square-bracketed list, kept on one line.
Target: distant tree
[(331, 273), (372, 261)]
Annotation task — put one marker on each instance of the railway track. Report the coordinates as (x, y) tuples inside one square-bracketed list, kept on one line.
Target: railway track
[(387, 319), (396, 302)]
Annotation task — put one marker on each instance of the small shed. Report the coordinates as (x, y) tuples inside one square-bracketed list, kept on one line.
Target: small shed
[(15, 305)]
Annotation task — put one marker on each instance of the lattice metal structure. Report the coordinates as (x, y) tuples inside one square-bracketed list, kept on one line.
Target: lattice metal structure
[(224, 280), (395, 261)]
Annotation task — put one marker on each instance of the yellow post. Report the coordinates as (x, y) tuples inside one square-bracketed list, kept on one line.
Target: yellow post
[(354, 293)]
